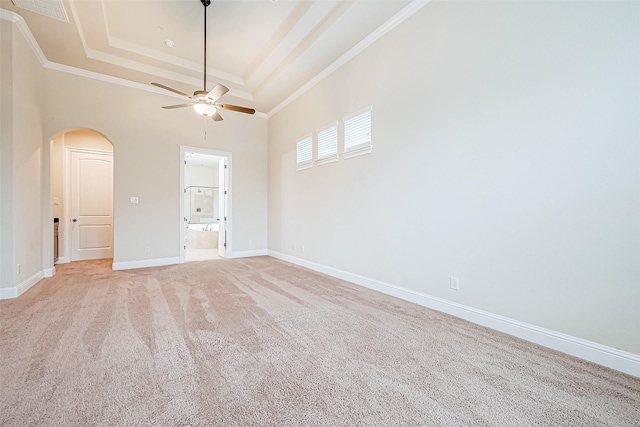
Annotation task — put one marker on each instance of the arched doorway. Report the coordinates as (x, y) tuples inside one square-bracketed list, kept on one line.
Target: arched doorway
[(82, 195)]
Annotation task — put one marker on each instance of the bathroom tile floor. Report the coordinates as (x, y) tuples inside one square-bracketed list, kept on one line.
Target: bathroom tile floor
[(200, 254)]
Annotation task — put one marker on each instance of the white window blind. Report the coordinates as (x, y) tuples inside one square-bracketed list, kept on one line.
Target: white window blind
[(328, 142), (357, 130), (304, 152)]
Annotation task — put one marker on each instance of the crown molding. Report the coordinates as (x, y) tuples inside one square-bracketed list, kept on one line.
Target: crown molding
[(105, 78), (161, 56), (123, 82), (102, 56), (396, 20), (26, 33), (7, 15), (35, 47)]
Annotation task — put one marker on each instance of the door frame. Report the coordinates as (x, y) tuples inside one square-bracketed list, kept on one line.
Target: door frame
[(66, 195), (186, 149)]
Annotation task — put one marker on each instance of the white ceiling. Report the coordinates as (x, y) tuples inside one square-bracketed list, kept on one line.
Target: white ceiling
[(263, 50)]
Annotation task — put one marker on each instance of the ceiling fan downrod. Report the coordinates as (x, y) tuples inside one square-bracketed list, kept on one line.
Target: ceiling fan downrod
[(205, 3), (205, 102)]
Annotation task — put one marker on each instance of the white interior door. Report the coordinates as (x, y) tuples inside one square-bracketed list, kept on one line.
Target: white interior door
[(91, 181), (223, 174)]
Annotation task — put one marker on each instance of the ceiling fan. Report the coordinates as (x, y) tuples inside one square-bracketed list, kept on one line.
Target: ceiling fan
[(203, 101)]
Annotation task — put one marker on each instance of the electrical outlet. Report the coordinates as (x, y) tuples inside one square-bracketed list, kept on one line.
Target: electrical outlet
[(147, 249), (134, 200), (454, 283), (18, 269), (302, 248)]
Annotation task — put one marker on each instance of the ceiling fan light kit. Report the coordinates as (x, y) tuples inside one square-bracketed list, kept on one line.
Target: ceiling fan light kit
[(203, 101), (204, 109)]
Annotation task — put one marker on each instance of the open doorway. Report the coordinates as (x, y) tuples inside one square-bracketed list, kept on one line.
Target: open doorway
[(82, 195), (204, 204)]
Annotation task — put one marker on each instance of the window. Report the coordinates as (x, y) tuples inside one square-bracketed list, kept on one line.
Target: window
[(357, 134), (328, 144), (304, 153)]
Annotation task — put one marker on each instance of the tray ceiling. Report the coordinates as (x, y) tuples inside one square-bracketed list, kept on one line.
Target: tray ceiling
[(263, 50)]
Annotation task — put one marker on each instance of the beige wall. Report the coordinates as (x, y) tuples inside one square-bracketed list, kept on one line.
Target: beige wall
[(7, 276), (147, 142), (506, 153), (22, 242)]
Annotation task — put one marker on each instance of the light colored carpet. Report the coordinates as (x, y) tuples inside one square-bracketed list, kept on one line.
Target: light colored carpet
[(257, 341)]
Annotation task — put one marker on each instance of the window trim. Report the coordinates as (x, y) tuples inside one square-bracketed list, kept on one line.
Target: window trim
[(362, 148), (305, 164), (332, 157)]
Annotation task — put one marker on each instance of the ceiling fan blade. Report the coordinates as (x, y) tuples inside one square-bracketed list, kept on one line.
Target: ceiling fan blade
[(237, 108), (216, 117), (170, 89), (217, 92), (169, 107)]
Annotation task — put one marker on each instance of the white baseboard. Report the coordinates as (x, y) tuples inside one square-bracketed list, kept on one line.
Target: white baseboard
[(593, 352), (246, 254), (144, 263), (49, 272), (8, 293), (16, 291), (62, 260), (28, 283)]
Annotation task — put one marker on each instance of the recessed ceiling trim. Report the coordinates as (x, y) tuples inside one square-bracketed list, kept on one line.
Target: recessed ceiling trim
[(118, 43), (315, 14), (118, 81), (277, 38), (323, 25), (407, 11), (33, 44), (396, 20), (171, 59), (149, 69), (137, 66)]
